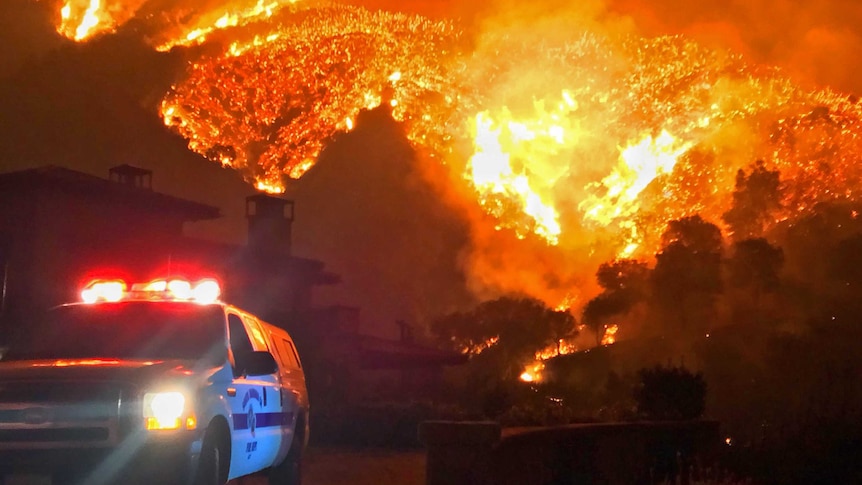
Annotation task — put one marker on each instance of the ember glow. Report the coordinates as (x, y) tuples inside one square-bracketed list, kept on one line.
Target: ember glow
[(576, 145)]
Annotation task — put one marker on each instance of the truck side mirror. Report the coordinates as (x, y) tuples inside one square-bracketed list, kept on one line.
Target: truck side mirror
[(259, 363)]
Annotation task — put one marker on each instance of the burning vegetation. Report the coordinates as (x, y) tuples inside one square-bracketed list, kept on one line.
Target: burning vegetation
[(566, 143), (170, 23), (559, 138), (267, 106)]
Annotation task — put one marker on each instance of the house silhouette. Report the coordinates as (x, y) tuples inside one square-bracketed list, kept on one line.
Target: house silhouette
[(60, 228)]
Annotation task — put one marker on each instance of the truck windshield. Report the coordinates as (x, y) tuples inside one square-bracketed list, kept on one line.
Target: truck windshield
[(124, 330)]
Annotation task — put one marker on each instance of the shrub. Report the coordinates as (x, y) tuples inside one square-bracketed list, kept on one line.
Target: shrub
[(670, 393)]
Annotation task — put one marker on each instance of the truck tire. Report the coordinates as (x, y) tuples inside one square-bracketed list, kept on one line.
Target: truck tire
[(214, 461)]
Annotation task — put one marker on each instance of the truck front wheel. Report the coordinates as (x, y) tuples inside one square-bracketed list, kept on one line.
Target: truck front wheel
[(214, 461)]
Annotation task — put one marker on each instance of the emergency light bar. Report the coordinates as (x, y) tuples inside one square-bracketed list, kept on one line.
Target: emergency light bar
[(204, 291)]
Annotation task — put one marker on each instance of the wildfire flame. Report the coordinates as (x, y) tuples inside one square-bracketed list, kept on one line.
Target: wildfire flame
[(306, 81), (493, 176), (533, 372), (640, 163), (178, 24), (610, 335), (81, 19), (236, 14), (580, 144), (481, 346)]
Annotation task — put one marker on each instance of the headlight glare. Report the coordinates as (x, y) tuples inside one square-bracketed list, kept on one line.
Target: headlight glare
[(167, 410)]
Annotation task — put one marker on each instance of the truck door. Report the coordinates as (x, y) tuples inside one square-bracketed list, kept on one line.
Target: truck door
[(292, 387), (255, 405)]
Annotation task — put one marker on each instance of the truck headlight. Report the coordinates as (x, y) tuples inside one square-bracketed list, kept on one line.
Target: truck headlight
[(167, 410)]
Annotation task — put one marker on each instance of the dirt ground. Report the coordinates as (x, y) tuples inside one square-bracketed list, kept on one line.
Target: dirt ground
[(330, 466), (364, 467), (327, 466)]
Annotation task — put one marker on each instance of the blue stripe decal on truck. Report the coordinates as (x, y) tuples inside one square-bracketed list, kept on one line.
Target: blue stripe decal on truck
[(261, 420)]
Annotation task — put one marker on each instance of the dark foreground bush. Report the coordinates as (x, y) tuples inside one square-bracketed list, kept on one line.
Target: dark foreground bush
[(670, 393), (547, 412)]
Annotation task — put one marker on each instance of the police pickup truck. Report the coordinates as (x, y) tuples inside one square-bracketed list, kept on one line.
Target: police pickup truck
[(156, 383)]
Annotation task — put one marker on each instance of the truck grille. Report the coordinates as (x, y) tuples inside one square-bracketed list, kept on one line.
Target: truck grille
[(45, 414), (53, 435)]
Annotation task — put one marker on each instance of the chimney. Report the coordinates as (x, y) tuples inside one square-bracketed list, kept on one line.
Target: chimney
[(132, 176), (406, 331), (269, 223)]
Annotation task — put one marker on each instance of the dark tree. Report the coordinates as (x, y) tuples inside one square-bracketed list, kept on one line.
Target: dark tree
[(687, 275), (625, 283), (520, 327), (695, 234), (624, 276), (818, 246), (670, 393), (755, 197), (846, 261), (844, 278), (755, 265), (599, 310)]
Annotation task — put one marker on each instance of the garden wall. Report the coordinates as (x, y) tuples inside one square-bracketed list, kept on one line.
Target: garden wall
[(479, 453)]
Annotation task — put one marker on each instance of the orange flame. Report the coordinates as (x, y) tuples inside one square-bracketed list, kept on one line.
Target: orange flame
[(610, 335), (533, 373), (640, 164), (481, 347), (81, 19), (237, 14), (493, 176)]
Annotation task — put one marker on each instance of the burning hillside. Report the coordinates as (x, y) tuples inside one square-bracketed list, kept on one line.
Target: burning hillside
[(267, 106), (169, 23), (577, 144)]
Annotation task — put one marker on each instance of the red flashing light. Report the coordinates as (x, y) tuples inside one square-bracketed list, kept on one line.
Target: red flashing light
[(181, 289), (206, 290), (104, 290)]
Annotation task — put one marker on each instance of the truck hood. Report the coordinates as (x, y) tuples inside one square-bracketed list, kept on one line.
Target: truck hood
[(136, 372)]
